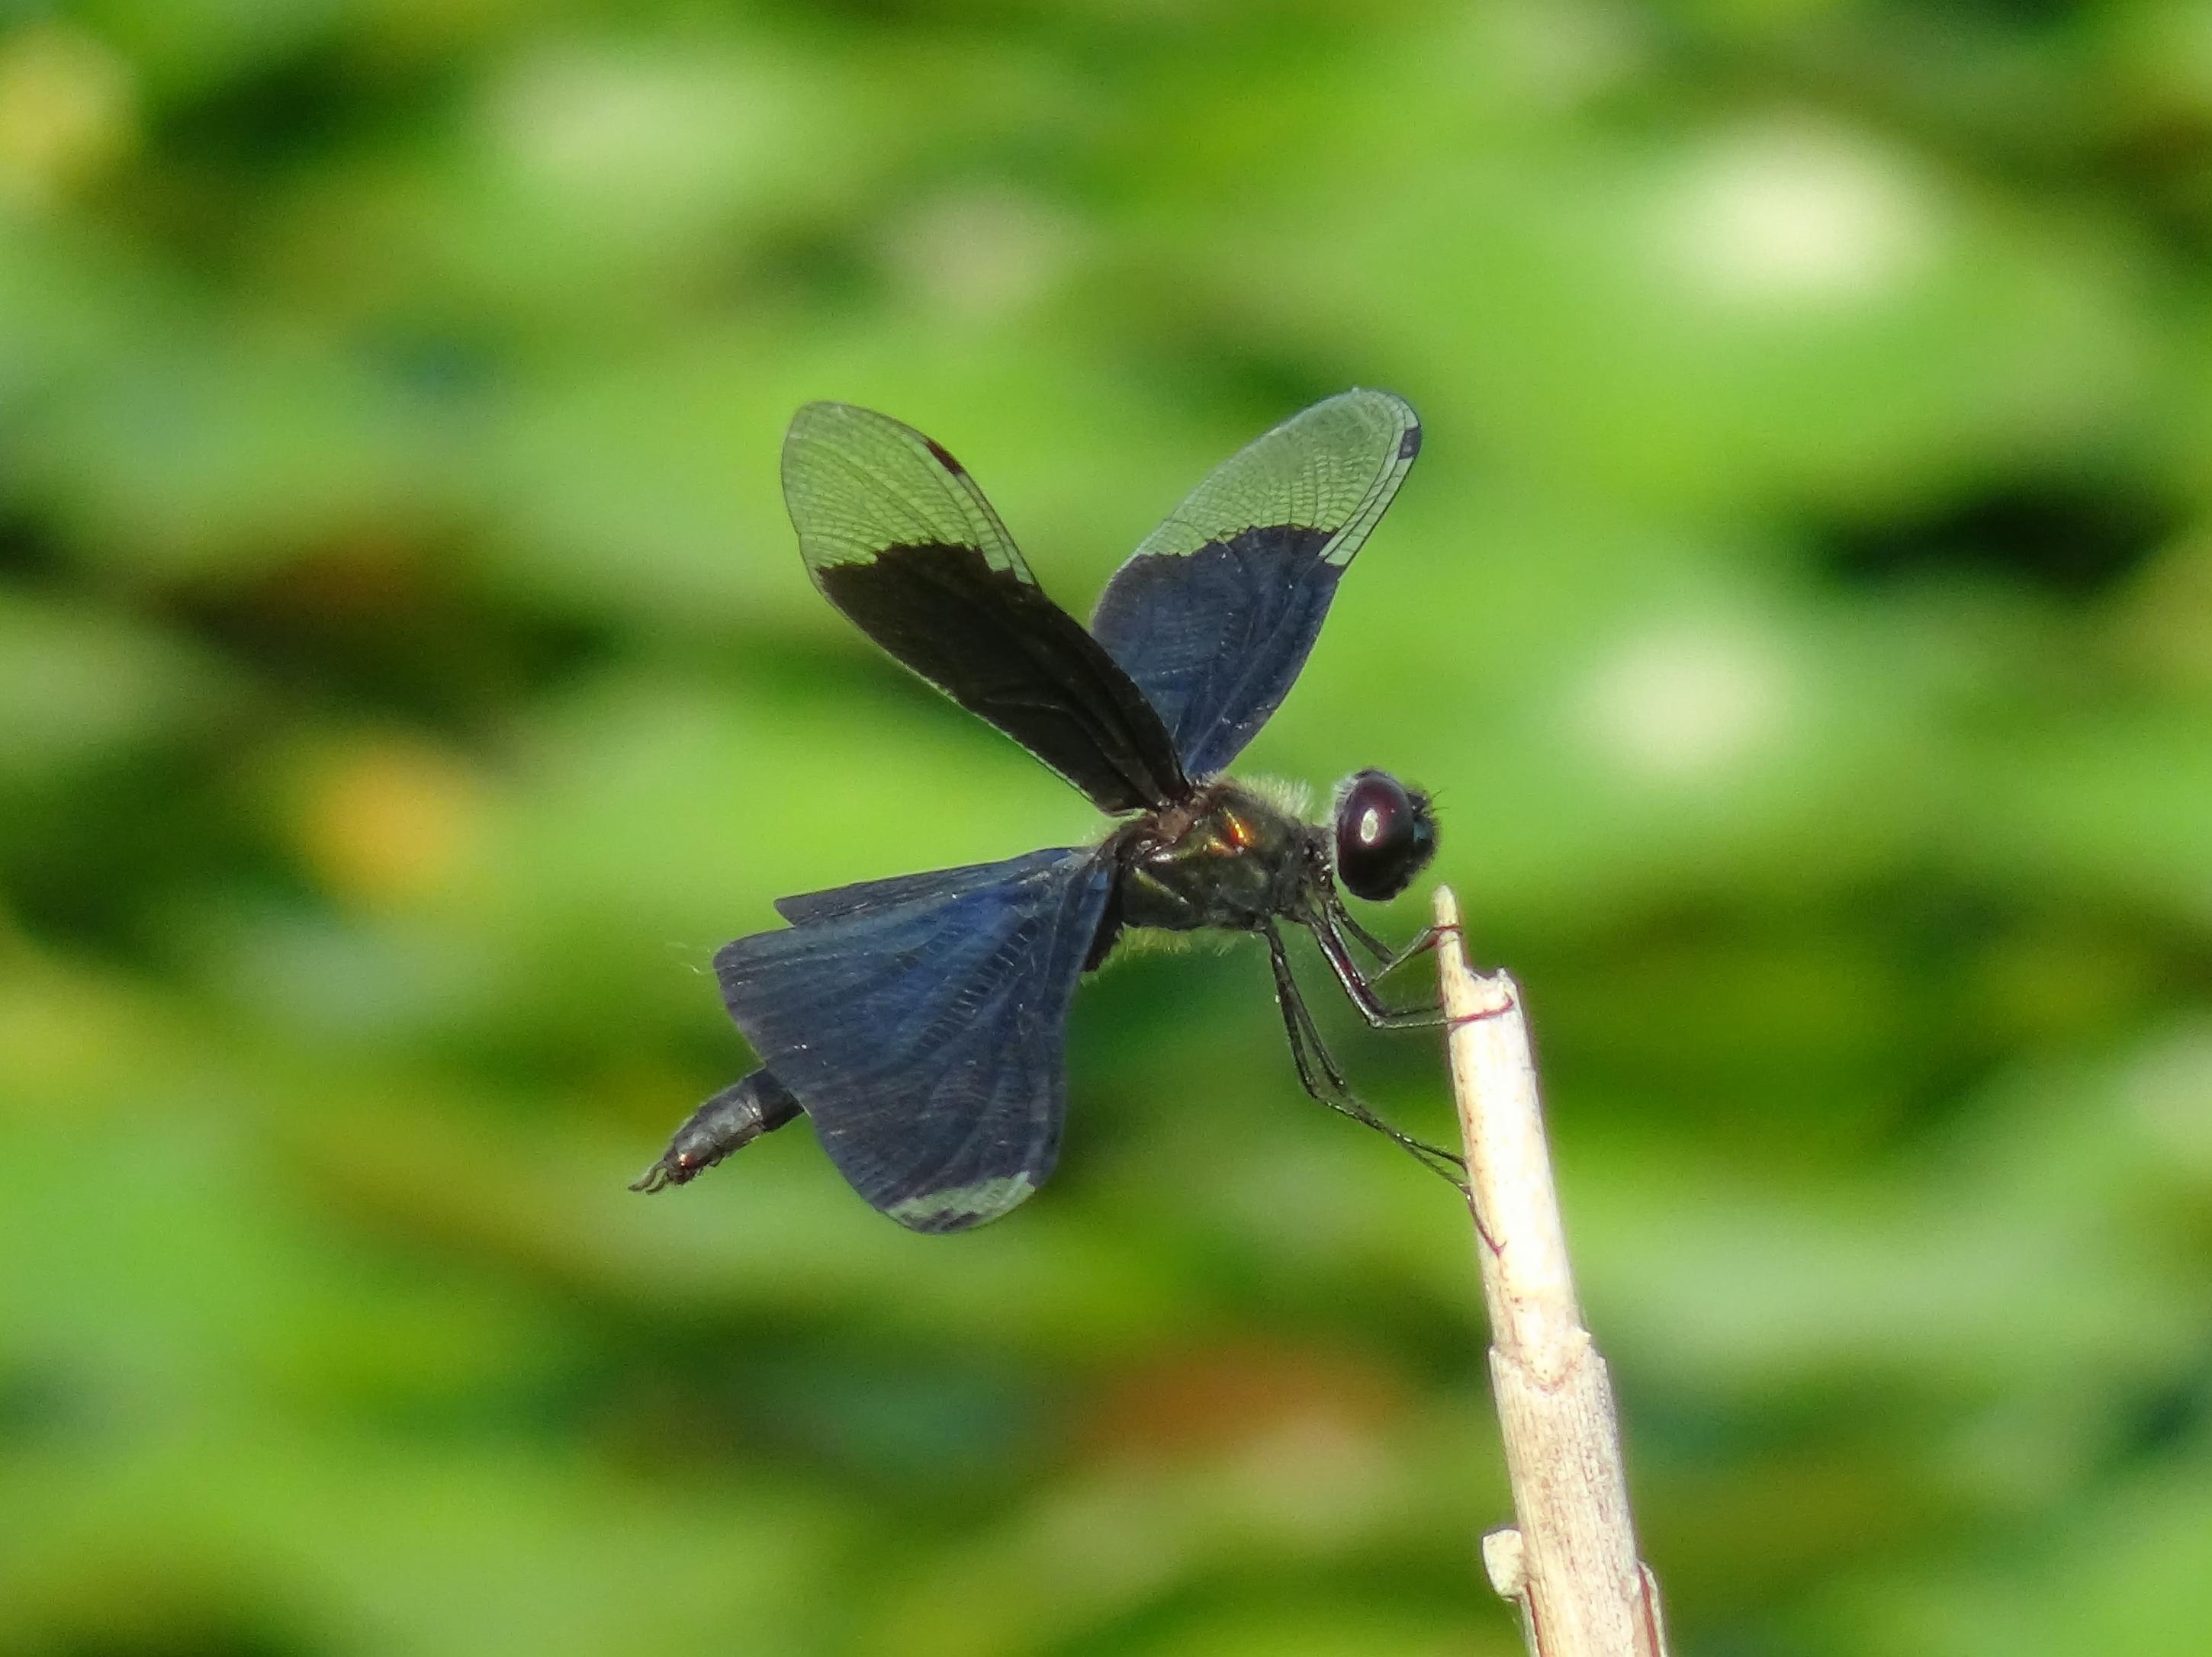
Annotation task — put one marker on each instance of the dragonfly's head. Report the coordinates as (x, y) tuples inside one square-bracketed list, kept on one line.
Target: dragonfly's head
[(1385, 834)]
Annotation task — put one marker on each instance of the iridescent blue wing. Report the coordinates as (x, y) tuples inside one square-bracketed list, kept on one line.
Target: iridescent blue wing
[(1213, 615), (921, 1023), (897, 535), (809, 907)]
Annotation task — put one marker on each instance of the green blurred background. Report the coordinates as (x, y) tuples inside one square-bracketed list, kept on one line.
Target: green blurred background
[(1803, 607)]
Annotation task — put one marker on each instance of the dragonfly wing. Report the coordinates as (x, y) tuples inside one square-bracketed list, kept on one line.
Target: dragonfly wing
[(1214, 614), (902, 890), (924, 1029), (897, 535)]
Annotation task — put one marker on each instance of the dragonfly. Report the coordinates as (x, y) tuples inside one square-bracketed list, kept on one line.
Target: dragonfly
[(919, 1022)]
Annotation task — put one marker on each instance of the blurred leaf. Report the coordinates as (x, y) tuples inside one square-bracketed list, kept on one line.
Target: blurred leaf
[(86, 685)]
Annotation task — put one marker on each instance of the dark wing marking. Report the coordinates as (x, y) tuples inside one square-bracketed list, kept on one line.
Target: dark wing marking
[(1213, 615), (809, 907), (925, 1034), (897, 535)]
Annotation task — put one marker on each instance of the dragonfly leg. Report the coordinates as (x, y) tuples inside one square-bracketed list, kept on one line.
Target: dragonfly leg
[(1359, 985), (1319, 1074)]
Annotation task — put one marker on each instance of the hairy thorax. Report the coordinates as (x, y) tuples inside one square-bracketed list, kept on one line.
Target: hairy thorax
[(1228, 857)]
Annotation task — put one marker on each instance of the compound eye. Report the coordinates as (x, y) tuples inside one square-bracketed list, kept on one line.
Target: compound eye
[(1385, 834)]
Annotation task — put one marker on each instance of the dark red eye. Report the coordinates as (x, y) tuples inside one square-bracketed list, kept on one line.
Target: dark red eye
[(1385, 834)]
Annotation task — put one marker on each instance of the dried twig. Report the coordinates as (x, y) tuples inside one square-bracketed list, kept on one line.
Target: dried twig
[(1569, 1561)]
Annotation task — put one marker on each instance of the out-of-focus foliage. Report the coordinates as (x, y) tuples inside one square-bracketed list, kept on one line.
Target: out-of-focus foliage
[(1803, 608)]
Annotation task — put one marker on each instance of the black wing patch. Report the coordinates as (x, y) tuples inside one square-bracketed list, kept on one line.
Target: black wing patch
[(897, 535), (923, 1028), (1214, 614), (809, 907)]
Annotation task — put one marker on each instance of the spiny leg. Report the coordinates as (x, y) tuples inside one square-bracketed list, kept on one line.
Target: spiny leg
[(1389, 959), (734, 1118), (1295, 1004), (1306, 1046), (1429, 936), (1357, 985), (1359, 934), (1423, 942), (1307, 1049)]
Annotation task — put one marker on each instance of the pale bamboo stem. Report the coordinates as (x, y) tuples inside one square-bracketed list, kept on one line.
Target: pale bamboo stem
[(1569, 1561)]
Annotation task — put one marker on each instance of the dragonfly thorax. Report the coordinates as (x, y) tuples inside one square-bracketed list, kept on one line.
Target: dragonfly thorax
[(1227, 857)]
